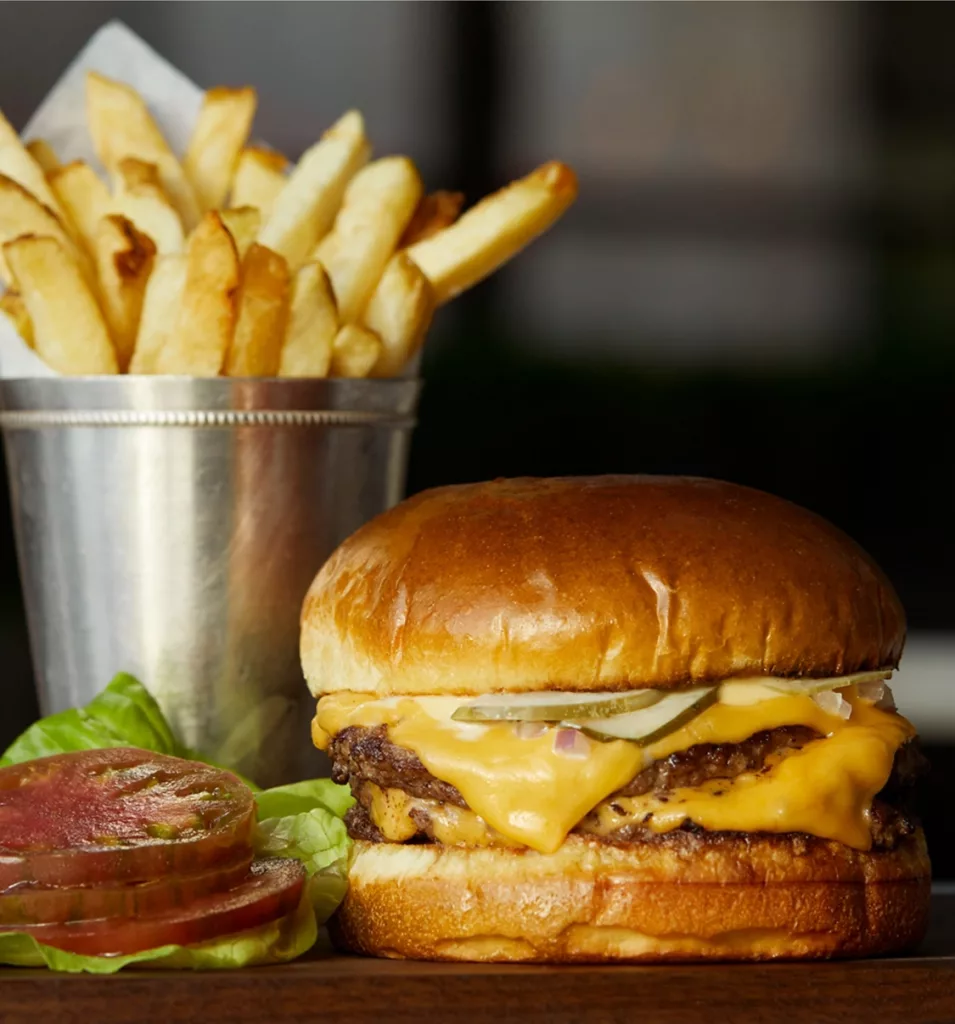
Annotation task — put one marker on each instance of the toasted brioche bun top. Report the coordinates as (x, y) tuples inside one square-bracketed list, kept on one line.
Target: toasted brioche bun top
[(599, 583)]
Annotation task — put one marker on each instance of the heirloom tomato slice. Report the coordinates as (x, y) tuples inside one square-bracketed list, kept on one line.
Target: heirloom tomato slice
[(118, 816), (26, 903), (272, 889)]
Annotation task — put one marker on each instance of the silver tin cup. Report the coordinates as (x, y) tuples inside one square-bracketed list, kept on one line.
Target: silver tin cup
[(170, 528)]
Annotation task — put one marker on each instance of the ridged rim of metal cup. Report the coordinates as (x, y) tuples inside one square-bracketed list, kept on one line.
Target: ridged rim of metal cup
[(31, 419)]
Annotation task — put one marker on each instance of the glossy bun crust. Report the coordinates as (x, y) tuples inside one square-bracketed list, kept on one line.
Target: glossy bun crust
[(752, 899), (594, 583)]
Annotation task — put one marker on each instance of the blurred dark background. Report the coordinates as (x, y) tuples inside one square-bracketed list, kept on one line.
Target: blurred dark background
[(757, 283)]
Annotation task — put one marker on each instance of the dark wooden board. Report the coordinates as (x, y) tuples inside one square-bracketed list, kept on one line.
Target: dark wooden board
[(326, 987)]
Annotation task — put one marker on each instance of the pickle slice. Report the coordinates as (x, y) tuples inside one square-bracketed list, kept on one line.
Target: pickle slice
[(554, 707), (811, 686), (651, 723)]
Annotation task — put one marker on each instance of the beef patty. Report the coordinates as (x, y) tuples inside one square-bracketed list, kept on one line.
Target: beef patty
[(362, 755)]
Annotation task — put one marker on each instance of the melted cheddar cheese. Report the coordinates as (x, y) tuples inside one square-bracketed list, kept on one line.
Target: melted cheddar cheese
[(391, 810), (534, 796)]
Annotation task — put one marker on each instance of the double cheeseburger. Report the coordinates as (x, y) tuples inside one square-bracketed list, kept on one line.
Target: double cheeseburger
[(617, 718)]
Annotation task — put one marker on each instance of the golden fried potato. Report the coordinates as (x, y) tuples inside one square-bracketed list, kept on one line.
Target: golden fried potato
[(124, 261), (70, 334), (259, 177), (207, 311), (436, 211), (263, 311), (121, 126), (43, 153), (21, 213), (139, 196), (85, 198), (243, 223), (305, 208), (14, 309), (399, 313), (494, 230), (224, 123), (312, 325), (378, 205), (160, 312), (355, 351), (327, 268), (17, 163)]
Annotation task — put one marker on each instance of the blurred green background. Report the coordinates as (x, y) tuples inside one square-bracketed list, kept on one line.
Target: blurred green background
[(757, 283)]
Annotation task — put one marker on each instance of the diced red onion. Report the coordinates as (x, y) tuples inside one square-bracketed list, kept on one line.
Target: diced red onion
[(872, 691), (887, 701), (833, 703), (530, 730), (571, 743), (878, 693)]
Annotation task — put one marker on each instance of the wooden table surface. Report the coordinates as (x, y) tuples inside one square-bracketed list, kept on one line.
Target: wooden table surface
[(326, 987)]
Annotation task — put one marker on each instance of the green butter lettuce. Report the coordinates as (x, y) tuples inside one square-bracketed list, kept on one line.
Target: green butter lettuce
[(272, 943), (125, 714), (302, 820), (282, 801)]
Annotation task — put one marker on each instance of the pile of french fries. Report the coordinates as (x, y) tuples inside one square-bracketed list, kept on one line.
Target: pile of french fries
[(230, 261)]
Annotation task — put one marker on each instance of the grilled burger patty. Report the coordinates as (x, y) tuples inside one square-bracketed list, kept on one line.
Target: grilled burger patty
[(361, 755)]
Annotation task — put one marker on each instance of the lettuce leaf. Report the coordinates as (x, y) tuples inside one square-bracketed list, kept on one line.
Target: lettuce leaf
[(125, 714), (302, 820), (281, 801), (276, 942)]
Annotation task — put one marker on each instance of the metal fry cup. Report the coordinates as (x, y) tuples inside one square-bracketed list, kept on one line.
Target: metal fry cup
[(170, 527)]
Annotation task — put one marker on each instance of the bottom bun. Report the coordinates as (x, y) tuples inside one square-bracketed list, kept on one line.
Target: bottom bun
[(730, 898)]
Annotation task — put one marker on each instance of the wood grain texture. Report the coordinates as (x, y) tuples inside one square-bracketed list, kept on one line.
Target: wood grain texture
[(338, 989)]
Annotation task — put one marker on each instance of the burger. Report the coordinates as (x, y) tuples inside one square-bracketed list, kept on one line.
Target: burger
[(616, 719)]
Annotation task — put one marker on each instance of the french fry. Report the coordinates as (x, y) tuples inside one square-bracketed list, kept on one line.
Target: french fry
[(124, 261), (259, 177), (494, 230), (243, 223), (139, 196), (306, 206), (14, 309), (135, 175), (399, 313), (435, 212), (355, 351), (312, 325), (378, 205), (70, 334), (21, 213), (232, 262), (161, 304), (42, 152), (224, 123), (263, 309), (17, 163), (8, 134), (121, 126), (206, 317), (85, 198)]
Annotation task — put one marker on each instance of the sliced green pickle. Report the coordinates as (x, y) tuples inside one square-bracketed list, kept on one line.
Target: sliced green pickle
[(811, 686), (651, 723), (554, 707)]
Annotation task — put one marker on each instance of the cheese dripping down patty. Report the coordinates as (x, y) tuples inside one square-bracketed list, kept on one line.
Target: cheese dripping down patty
[(534, 795)]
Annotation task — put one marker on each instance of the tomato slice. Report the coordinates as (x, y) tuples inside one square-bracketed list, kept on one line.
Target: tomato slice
[(271, 890), (26, 903), (118, 815)]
